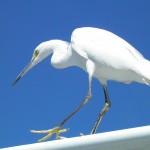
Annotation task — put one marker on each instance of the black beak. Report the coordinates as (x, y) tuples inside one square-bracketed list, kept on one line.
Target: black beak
[(25, 70)]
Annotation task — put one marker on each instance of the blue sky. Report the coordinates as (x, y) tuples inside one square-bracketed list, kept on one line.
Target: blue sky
[(45, 96)]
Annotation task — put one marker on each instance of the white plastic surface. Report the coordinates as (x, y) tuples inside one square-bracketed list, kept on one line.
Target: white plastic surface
[(127, 139)]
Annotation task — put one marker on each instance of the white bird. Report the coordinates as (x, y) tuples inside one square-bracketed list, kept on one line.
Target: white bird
[(102, 55)]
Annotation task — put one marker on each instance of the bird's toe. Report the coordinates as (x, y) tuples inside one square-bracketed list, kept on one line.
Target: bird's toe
[(50, 132)]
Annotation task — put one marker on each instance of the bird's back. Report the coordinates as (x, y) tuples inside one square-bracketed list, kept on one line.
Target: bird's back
[(109, 52)]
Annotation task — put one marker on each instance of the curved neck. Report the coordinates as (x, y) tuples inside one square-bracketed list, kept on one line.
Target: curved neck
[(63, 54)]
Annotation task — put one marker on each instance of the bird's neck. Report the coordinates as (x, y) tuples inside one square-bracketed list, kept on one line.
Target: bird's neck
[(63, 55)]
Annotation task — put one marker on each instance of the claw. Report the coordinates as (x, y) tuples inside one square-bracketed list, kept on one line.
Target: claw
[(81, 134), (50, 132)]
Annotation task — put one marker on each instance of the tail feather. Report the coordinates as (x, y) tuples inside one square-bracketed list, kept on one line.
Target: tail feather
[(144, 71), (146, 81)]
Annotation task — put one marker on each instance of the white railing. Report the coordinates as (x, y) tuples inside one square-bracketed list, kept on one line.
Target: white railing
[(127, 139)]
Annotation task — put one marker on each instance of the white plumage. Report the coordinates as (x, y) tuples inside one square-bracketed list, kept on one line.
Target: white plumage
[(114, 58), (102, 55)]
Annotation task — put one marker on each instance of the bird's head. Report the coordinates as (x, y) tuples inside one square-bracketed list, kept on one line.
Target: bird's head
[(59, 59), (40, 52)]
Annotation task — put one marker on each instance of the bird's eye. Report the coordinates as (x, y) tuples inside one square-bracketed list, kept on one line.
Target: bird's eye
[(35, 53)]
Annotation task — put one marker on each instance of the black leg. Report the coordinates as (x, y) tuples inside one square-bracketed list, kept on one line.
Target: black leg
[(57, 130), (88, 97), (103, 111)]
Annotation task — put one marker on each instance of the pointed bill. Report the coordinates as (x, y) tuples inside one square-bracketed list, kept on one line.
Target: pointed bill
[(25, 70)]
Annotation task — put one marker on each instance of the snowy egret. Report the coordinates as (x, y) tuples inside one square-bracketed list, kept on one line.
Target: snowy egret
[(102, 55)]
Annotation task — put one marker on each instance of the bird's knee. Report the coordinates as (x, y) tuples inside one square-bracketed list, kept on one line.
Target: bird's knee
[(106, 107), (108, 103), (88, 97)]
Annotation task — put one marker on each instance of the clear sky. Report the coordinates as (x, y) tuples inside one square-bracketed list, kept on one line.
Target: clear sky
[(45, 96)]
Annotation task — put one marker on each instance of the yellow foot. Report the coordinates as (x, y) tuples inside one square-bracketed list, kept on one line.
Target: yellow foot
[(81, 134), (49, 133)]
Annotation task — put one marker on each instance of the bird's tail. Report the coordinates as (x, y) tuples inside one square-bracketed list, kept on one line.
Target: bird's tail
[(144, 71)]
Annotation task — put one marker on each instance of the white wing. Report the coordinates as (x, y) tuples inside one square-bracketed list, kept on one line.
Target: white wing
[(104, 47)]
